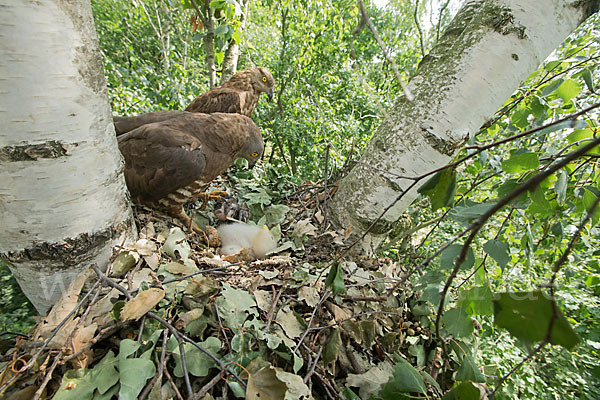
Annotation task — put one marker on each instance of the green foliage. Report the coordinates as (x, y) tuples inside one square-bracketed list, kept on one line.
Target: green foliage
[(528, 317), (516, 250), (335, 279), (17, 311)]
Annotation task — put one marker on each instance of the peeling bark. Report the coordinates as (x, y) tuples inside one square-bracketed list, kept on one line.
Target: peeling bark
[(63, 203), (489, 48)]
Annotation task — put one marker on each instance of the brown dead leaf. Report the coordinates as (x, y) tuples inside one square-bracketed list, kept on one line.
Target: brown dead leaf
[(242, 255), (141, 304), (67, 302), (178, 268), (338, 313), (82, 337)]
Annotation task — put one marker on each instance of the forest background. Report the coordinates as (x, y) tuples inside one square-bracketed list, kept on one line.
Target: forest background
[(333, 86)]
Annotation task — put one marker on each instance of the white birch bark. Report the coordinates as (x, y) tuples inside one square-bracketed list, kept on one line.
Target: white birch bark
[(490, 47), (63, 202)]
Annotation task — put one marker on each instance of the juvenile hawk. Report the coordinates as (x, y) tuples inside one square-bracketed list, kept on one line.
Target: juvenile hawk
[(238, 95), (169, 163)]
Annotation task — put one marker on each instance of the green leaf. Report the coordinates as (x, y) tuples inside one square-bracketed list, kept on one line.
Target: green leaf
[(219, 57), (76, 385), (522, 202), (521, 162), (539, 205), (133, 372), (469, 371), (418, 351), (527, 315), (276, 214), (568, 90), (350, 395), (464, 391), (478, 300), (332, 348), (406, 379), (235, 306), (581, 135), (560, 187), (499, 251), (458, 323), (470, 211), (197, 363), (449, 256), (550, 88), (589, 81), (589, 198), (440, 188), (221, 29), (335, 279), (105, 373)]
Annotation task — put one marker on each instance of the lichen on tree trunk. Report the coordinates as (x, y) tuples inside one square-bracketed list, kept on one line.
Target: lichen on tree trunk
[(488, 49), (63, 203)]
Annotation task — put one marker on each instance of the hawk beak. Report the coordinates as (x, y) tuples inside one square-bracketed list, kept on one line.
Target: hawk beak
[(251, 164), (270, 94)]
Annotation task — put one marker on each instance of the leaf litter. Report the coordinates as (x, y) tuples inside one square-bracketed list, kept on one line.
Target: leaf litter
[(293, 325)]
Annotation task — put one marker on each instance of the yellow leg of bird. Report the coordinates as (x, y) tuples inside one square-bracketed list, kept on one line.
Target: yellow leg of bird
[(214, 195), (209, 234)]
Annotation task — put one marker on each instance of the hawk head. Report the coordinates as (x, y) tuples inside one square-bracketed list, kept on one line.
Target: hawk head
[(262, 81), (253, 148)]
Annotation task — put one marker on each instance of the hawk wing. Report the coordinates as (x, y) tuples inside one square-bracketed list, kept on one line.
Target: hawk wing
[(159, 160), (126, 124), (225, 100)]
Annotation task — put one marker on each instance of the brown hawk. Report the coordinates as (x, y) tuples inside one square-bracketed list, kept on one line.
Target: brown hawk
[(126, 124), (169, 163), (238, 95)]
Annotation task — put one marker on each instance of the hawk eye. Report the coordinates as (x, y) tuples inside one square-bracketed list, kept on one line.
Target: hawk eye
[(264, 78), (254, 154)]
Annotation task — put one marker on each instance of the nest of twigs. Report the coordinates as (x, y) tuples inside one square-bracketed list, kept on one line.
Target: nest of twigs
[(171, 319)]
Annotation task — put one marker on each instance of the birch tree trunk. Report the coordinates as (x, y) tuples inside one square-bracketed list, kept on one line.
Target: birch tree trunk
[(63, 203), (489, 48), (232, 54), (209, 45)]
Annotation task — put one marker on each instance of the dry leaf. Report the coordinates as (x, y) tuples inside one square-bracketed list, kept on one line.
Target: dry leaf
[(177, 268), (263, 299), (141, 304), (309, 294), (304, 227), (67, 302)]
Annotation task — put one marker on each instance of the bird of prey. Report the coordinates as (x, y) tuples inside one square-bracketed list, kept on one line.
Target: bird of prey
[(126, 124), (238, 95), (170, 162)]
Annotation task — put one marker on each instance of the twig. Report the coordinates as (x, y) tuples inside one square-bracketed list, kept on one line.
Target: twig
[(416, 17), (49, 339), (373, 28), (312, 317), (173, 385), (271, 313), (152, 315), (311, 370), (439, 24), (40, 390), (159, 371), (324, 225), (516, 367), (221, 327), (209, 385), (531, 183), (104, 333)]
